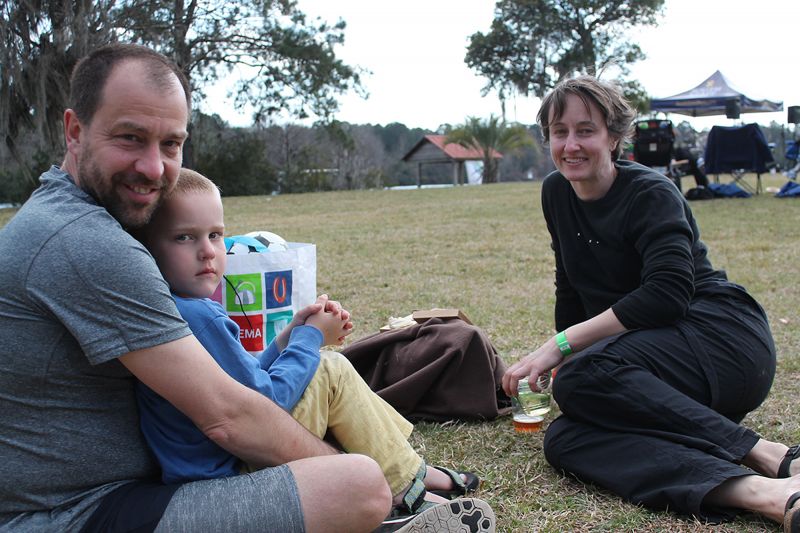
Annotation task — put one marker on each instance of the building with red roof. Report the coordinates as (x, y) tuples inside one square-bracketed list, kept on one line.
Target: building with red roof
[(432, 149)]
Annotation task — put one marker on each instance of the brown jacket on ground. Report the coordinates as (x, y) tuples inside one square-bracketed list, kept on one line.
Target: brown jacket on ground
[(438, 370)]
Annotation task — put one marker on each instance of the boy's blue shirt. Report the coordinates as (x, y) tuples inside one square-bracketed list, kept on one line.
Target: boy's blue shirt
[(184, 452)]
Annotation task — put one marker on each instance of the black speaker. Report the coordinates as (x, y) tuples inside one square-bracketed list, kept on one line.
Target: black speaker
[(732, 109), (793, 114)]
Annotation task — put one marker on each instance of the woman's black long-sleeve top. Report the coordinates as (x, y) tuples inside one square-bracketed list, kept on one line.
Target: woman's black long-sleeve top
[(637, 250)]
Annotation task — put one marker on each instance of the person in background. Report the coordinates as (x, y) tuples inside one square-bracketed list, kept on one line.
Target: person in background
[(659, 356), (682, 155)]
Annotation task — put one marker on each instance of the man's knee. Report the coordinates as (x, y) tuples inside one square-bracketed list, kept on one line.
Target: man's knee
[(586, 373), (367, 479), (568, 378), (342, 492), (566, 441)]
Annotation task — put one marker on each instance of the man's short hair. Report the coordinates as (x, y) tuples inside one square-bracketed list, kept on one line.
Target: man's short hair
[(91, 73)]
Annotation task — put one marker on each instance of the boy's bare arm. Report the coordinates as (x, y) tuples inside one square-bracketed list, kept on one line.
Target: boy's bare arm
[(240, 420)]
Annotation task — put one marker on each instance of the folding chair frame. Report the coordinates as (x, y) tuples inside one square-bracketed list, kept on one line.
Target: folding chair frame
[(737, 151)]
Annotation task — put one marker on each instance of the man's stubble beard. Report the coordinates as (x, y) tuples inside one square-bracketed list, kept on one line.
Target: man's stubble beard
[(105, 194)]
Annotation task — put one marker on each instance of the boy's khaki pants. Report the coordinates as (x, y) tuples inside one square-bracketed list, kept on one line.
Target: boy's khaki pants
[(338, 400)]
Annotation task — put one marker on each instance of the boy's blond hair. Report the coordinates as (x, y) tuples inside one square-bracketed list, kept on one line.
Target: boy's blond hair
[(191, 181)]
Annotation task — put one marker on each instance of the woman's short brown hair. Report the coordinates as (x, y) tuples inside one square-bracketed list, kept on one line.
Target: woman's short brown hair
[(616, 110)]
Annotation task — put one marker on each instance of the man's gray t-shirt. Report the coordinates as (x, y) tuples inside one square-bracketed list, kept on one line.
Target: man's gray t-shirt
[(76, 292)]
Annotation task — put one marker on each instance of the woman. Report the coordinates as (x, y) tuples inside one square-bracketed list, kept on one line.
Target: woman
[(662, 355)]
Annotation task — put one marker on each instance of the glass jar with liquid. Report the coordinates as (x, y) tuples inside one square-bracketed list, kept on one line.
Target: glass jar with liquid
[(530, 406)]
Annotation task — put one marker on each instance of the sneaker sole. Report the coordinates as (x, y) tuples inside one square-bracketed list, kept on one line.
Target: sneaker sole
[(464, 515)]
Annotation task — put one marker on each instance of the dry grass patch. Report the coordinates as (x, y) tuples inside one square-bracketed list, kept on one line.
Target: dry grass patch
[(486, 250)]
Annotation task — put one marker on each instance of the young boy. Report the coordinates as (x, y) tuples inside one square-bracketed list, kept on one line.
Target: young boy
[(321, 389)]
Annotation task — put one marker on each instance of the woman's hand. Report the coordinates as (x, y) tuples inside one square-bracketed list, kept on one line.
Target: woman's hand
[(533, 365), (548, 356)]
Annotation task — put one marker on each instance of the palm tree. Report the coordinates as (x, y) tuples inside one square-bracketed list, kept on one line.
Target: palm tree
[(491, 137)]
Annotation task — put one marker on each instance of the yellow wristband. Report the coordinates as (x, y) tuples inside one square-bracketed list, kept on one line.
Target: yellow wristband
[(563, 345)]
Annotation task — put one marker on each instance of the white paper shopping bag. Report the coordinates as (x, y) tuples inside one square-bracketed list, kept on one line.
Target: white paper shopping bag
[(263, 290)]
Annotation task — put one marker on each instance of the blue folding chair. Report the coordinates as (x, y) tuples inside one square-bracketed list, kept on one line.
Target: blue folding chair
[(738, 150)]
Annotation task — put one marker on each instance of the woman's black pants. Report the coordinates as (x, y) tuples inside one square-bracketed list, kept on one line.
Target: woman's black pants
[(653, 414)]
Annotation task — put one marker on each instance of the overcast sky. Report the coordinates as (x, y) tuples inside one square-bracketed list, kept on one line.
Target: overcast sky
[(415, 51)]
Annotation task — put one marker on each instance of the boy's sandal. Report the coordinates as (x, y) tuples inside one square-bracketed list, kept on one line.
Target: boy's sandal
[(791, 517), (402, 513), (414, 498), (786, 462), (460, 486)]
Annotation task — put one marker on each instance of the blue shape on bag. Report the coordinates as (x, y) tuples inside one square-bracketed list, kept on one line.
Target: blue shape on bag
[(279, 289), (246, 245)]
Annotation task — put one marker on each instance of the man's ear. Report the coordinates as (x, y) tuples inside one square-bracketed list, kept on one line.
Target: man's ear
[(72, 132)]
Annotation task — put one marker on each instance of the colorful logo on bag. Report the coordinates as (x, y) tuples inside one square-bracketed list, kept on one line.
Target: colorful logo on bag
[(251, 331), (276, 322), (244, 293), (279, 289)]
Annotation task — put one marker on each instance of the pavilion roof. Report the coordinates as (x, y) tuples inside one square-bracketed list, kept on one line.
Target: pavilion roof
[(453, 151)]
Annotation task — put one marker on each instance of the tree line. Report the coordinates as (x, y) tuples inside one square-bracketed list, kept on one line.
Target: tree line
[(289, 62), (292, 70), (293, 158)]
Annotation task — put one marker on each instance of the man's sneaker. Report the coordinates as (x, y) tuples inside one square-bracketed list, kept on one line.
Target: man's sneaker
[(464, 515)]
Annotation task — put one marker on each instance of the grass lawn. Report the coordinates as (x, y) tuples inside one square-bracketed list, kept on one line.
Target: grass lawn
[(486, 250)]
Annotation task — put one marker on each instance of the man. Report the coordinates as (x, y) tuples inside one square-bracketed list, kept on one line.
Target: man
[(83, 309), (682, 155)]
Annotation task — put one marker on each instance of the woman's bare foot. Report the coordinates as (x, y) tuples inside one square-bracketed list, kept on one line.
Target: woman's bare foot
[(766, 456), (763, 495)]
